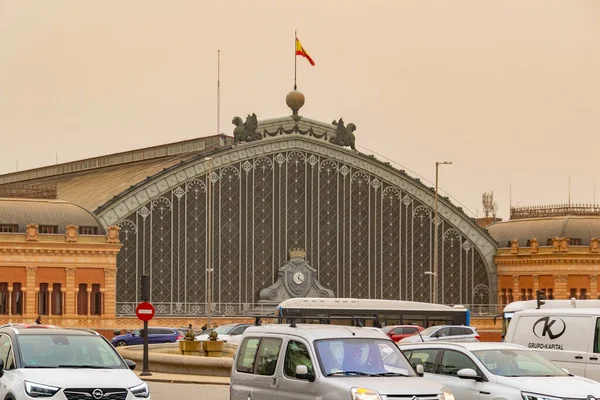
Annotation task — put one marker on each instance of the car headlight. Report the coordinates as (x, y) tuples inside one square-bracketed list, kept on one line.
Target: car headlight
[(140, 390), (534, 396), (364, 394), (446, 394), (39, 390)]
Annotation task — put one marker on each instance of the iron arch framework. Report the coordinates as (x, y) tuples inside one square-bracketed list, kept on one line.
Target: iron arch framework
[(367, 229)]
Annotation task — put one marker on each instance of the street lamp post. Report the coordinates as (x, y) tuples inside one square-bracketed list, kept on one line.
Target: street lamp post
[(209, 268), (435, 232)]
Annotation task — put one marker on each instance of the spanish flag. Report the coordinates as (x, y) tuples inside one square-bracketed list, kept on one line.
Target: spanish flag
[(301, 52)]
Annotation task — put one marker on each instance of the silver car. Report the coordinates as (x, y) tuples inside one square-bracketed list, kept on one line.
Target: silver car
[(282, 361), (449, 333)]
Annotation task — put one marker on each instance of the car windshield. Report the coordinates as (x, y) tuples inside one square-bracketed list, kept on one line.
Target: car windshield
[(361, 357), (67, 351), (386, 329), (429, 331), (508, 362)]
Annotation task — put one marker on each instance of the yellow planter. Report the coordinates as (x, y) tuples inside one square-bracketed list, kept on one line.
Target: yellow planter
[(190, 347), (213, 348)]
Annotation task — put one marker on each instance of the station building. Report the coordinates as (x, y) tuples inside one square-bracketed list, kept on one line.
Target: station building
[(213, 221)]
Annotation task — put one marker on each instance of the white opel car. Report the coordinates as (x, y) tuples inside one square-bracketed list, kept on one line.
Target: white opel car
[(494, 371), (64, 364)]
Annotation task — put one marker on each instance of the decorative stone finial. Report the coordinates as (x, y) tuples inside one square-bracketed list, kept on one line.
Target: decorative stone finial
[(32, 233), (112, 234), (295, 101)]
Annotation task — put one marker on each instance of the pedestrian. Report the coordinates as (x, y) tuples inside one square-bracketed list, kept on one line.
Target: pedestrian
[(38, 321)]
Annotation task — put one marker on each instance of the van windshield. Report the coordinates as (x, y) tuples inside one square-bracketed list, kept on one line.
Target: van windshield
[(361, 357), (507, 362)]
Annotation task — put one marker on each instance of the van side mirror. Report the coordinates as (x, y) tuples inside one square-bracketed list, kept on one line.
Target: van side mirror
[(1, 367), (302, 373), (420, 370), (468, 373)]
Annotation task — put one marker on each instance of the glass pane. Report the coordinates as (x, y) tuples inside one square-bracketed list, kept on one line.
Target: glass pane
[(245, 361), (453, 361), (267, 356), (296, 354), (424, 357), (517, 363), (597, 337)]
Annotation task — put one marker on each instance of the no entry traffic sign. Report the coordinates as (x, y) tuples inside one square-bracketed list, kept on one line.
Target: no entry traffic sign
[(145, 311)]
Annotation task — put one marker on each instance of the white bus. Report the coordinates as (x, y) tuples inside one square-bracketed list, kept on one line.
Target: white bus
[(383, 312), (516, 306)]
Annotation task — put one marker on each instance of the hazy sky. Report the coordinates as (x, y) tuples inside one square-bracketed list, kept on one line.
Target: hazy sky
[(508, 90)]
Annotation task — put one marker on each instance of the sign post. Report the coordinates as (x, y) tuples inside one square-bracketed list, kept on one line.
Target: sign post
[(145, 312)]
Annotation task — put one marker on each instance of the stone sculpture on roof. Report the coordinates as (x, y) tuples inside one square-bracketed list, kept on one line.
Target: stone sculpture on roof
[(344, 134), (245, 131)]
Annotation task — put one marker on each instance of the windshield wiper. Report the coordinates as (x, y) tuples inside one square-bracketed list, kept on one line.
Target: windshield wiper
[(82, 366), (359, 373), (390, 374), (39, 366)]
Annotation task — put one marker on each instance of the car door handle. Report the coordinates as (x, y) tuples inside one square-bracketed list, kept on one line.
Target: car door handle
[(594, 358), (275, 383), (579, 357)]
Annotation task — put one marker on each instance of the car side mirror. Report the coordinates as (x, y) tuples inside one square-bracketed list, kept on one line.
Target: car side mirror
[(420, 370), (302, 373), (130, 364), (1, 367), (468, 373)]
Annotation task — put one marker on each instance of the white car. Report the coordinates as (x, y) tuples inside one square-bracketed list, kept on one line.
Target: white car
[(447, 333), (230, 333), (494, 371), (64, 364)]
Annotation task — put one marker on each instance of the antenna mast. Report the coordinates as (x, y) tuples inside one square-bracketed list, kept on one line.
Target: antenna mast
[(218, 92)]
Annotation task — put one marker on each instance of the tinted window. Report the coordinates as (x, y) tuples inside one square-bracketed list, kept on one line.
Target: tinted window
[(54, 350), (398, 331), (453, 361), (166, 331), (154, 331), (247, 355), (443, 332), (410, 330), (597, 337), (517, 363), (268, 354), (425, 357), (296, 354)]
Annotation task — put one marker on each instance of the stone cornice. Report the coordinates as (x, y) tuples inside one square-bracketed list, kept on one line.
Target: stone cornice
[(59, 248), (547, 260)]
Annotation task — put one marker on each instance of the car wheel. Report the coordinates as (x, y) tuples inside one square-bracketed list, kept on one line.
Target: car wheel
[(121, 343)]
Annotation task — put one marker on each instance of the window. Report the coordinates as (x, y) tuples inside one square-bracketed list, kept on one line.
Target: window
[(426, 358), (573, 293), (453, 361), (48, 229), (43, 299), (582, 294), (247, 355), (17, 299), (6, 353), (597, 337), (296, 354), (510, 296), (575, 242), (503, 298), (96, 299), (529, 294), (515, 363), (268, 353), (3, 297), (239, 330), (523, 295), (88, 230), (442, 333), (9, 228), (56, 299), (82, 300)]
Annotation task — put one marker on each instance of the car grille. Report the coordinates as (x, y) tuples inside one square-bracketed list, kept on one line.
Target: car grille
[(411, 397), (88, 394)]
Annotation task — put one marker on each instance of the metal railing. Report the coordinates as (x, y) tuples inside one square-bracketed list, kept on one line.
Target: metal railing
[(253, 309)]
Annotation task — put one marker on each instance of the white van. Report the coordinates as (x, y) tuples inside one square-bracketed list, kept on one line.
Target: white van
[(325, 361), (570, 337)]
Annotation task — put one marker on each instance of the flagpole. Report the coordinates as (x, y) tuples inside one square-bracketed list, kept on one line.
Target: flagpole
[(218, 92), (295, 58)]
